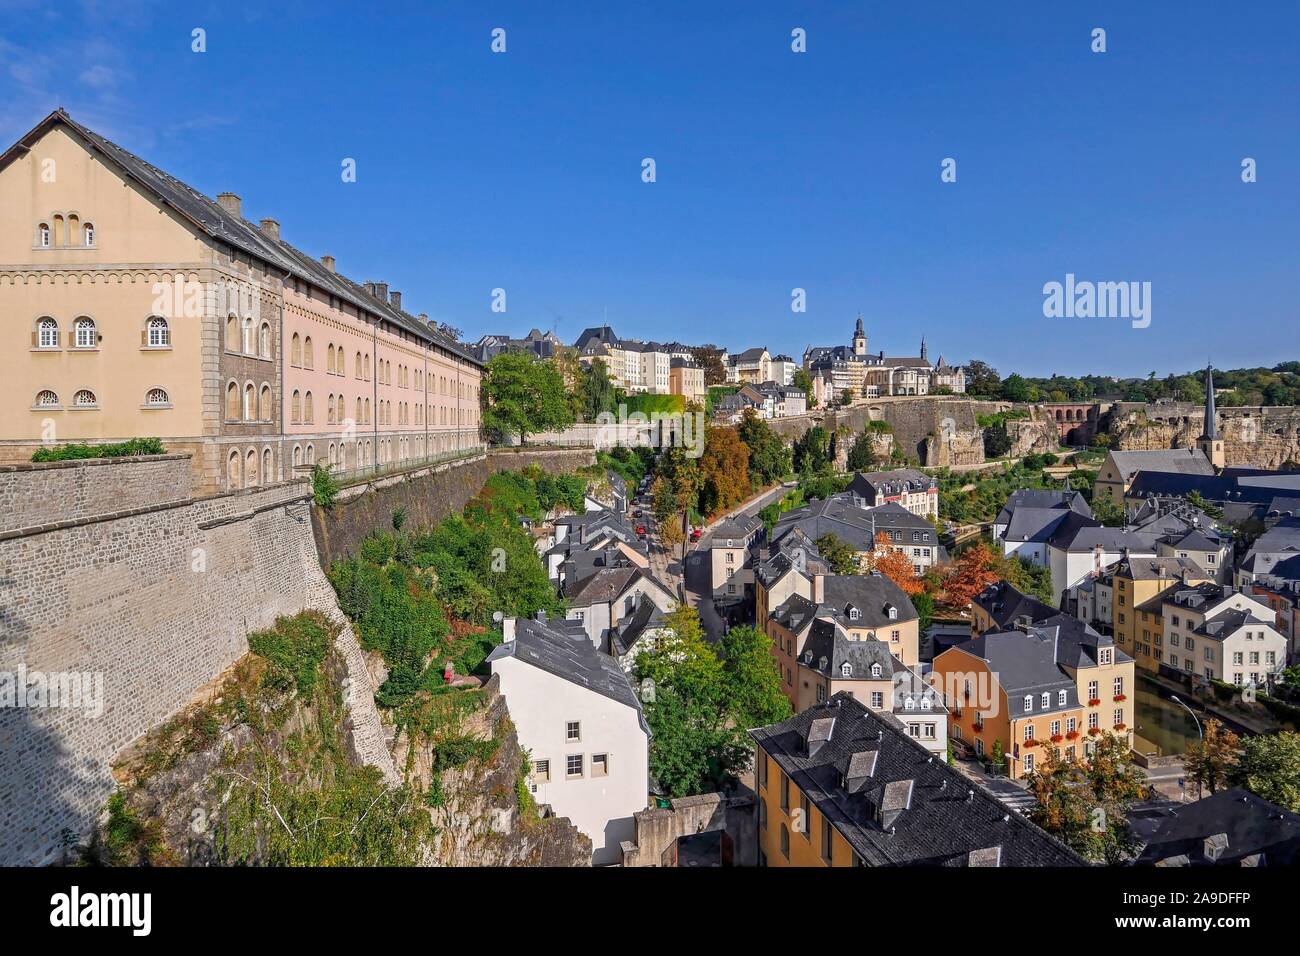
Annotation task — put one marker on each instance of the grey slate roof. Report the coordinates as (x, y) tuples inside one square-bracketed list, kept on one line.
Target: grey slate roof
[(1186, 461), (871, 595), (1042, 498), (731, 532), (829, 644), (645, 619), (1229, 828), (893, 801), (1005, 604), (869, 484), (1025, 662), (562, 648), (794, 613)]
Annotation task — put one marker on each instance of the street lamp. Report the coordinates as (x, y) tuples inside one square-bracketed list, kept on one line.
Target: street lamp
[(1174, 698)]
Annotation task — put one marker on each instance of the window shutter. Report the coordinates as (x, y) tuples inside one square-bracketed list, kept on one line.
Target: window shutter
[(144, 336)]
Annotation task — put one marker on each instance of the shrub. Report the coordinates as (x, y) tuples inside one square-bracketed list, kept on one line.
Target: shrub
[(125, 449), (323, 485)]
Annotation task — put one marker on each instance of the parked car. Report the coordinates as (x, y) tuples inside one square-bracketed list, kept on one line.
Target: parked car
[(695, 534)]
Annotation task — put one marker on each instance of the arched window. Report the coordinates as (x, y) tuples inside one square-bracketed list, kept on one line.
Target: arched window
[(307, 360), (89, 232), (264, 340), (308, 416), (232, 333), (311, 454), (333, 459), (359, 419), (232, 402), (84, 332), (341, 362), (157, 397), (329, 409), (329, 359), (367, 411), (251, 477), (158, 334), (233, 477), (43, 235), (266, 464), (47, 399), (295, 351), (264, 403), (297, 455), (58, 230), (84, 399), (295, 409), (356, 367), (248, 339), (250, 404), (47, 333)]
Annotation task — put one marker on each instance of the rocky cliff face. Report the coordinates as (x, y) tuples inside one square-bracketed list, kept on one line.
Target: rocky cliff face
[(938, 431), (262, 769), (484, 815), (1263, 437)]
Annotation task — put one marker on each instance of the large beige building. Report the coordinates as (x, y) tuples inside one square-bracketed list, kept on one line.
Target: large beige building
[(136, 306)]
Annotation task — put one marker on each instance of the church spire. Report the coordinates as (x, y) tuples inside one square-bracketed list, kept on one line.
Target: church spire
[(924, 357), (1210, 444), (1210, 430)]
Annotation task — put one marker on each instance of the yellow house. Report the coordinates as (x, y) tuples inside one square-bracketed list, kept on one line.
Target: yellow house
[(1136, 588), (1054, 682), (841, 786)]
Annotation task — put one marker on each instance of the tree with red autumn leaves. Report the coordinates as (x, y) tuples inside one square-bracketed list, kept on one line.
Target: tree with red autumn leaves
[(893, 565), (970, 574)]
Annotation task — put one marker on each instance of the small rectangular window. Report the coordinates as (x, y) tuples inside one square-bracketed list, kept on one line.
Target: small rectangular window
[(572, 731), (542, 771), (599, 765), (573, 766)]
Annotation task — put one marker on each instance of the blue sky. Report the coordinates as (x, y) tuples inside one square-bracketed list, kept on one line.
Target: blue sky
[(774, 170)]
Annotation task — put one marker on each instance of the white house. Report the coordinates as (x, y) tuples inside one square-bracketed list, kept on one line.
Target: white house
[(581, 723)]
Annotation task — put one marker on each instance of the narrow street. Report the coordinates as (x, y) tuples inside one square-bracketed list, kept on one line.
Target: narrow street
[(698, 577)]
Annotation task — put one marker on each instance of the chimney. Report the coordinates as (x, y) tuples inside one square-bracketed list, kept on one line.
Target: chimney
[(396, 299), (327, 262), (381, 291), (818, 588), (508, 630), (271, 228), (230, 203), (424, 317)]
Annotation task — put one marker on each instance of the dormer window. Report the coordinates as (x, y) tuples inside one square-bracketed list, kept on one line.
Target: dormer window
[(909, 704), (925, 703), (854, 613), (1029, 703), (1047, 700), (846, 669), (875, 670), (891, 611)]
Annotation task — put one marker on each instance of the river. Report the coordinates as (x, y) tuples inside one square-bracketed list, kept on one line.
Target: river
[(1161, 722)]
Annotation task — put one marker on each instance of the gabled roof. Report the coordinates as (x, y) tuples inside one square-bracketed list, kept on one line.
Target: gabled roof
[(1042, 498), (211, 219), (1005, 604), (893, 801), (795, 613), (870, 595), (562, 648), (1026, 665), (1185, 461)]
